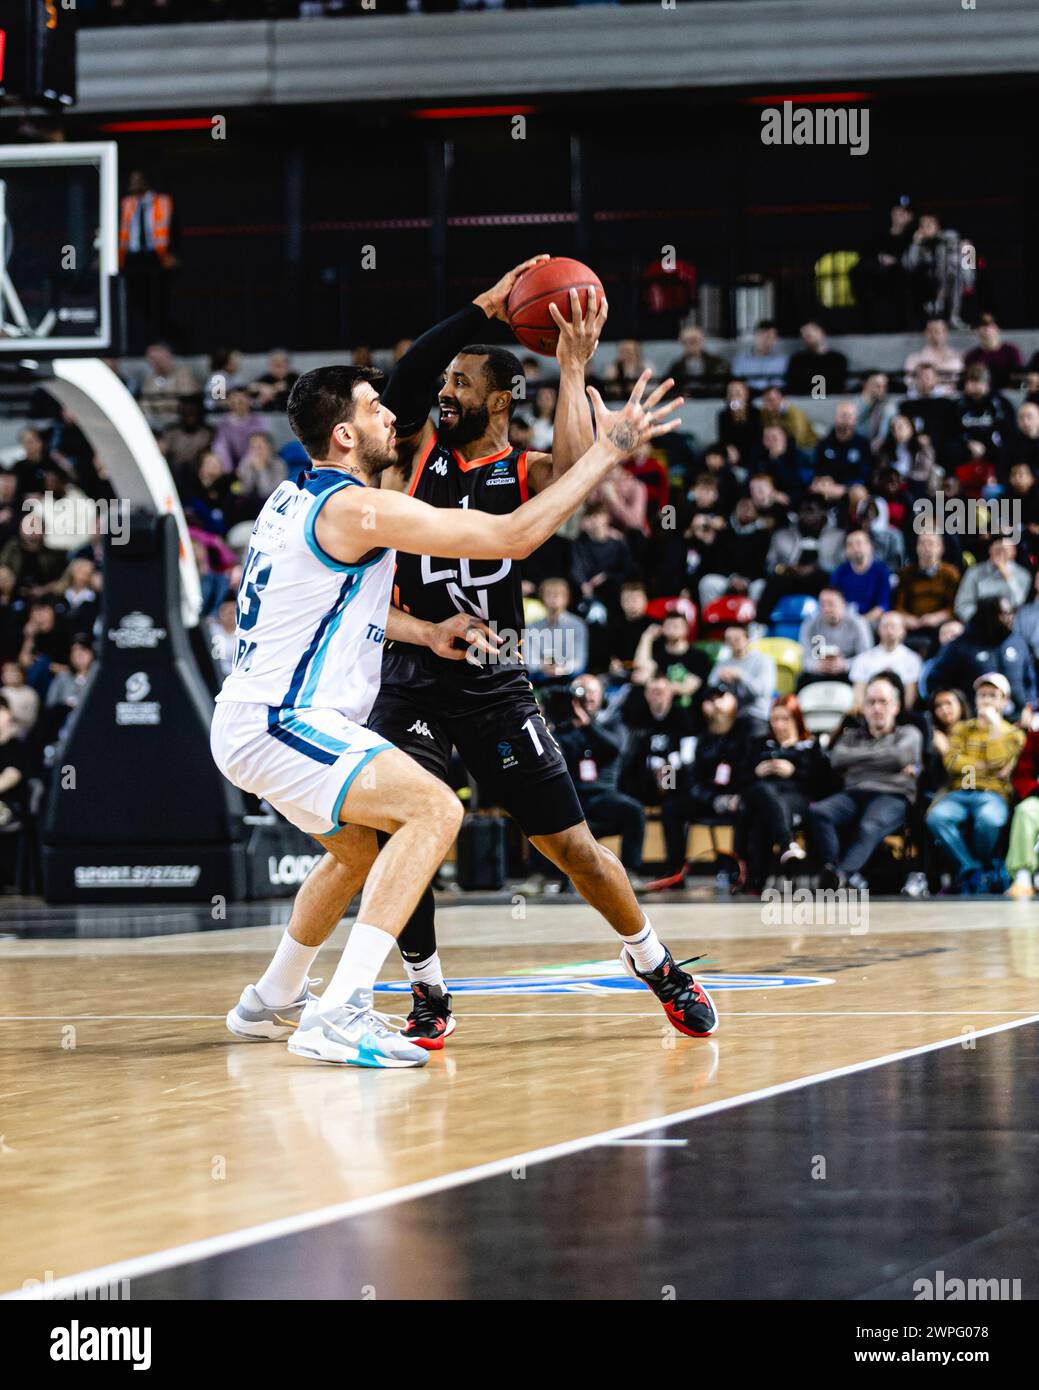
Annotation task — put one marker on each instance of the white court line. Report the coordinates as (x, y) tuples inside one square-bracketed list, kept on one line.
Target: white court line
[(141, 1265), (644, 1143)]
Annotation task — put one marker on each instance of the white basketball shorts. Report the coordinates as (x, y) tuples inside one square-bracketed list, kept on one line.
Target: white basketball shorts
[(302, 761)]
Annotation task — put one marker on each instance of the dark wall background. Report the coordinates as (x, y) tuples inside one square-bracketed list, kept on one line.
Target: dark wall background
[(275, 217)]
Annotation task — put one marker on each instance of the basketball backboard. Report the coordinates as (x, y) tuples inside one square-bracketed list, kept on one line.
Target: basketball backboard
[(58, 247)]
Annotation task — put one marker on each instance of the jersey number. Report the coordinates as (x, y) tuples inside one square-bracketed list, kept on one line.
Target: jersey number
[(539, 747), (255, 576)]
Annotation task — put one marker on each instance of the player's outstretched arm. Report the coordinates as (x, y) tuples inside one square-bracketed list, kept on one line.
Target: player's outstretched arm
[(356, 521), (572, 428)]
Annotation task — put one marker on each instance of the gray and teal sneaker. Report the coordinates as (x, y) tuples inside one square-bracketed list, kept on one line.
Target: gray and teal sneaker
[(256, 1021), (354, 1034)]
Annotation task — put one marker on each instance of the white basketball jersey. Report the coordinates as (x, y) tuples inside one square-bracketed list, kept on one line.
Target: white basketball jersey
[(310, 630)]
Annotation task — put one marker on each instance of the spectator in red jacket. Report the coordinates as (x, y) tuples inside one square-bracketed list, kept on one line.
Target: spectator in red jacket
[(1003, 360), (1022, 859)]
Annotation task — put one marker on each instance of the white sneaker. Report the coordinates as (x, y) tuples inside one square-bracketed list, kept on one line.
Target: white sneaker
[(915, 885), (354, 1034), (792, 851), (256, 1021)]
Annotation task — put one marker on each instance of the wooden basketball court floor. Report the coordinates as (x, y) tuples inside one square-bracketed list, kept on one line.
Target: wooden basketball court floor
[(867, 1111)]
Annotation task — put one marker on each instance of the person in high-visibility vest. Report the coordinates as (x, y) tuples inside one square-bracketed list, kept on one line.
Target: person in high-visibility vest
[(146, 224), (147, 256)]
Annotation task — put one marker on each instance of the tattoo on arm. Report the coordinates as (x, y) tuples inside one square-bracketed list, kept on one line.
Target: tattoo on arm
[(623, 436)]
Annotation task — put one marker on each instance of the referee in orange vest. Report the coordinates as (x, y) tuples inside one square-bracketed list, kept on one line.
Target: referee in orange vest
[(147, 258)]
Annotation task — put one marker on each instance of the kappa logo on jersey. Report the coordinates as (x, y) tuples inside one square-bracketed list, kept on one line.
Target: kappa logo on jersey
[(420, 727), (439, 467), (609, 977)]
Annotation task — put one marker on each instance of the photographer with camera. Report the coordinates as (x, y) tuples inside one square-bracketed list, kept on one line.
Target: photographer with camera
[(712, 785), (593, 753)]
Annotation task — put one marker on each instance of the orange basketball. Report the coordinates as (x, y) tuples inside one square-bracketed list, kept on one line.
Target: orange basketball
[(542, 285)]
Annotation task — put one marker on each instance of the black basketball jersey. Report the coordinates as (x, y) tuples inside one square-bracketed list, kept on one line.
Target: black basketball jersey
[(435, 588)]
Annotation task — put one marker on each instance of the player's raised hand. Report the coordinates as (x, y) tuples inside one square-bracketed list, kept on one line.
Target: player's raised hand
[(640, 420), (475, 633), (579, 335), (495, 300)]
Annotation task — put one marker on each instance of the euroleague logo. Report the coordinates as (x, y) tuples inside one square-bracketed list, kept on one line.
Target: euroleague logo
[(598, 977)]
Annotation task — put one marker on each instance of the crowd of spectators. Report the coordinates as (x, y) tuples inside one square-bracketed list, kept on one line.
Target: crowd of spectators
[(823, 634), (820, 631), (214, 433)]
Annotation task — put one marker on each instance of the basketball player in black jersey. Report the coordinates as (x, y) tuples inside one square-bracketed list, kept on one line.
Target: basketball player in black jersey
[(484, 706)]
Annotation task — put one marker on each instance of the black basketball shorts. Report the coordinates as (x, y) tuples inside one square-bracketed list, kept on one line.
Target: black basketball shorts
[(505, 745)]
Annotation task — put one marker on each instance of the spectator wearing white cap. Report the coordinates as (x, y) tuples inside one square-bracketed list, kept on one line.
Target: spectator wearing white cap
[(967, 818)]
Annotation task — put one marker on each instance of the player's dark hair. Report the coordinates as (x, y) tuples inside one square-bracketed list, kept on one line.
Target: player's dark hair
[(322, 399), (502, 367)]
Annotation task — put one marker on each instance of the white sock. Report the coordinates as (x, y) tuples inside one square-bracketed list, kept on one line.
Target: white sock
[(426, 972), (283, 980), (646, 948), (366, 949), (1024, 877)]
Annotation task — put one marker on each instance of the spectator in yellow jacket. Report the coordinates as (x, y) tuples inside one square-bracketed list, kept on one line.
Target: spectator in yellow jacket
[(967, 818)]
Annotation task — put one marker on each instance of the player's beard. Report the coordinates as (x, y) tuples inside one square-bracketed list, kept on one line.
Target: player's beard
[(372, 460), (469, 425)]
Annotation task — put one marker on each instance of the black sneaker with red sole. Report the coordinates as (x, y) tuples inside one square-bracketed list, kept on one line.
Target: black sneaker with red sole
[(688, 1006), (430, 1022)]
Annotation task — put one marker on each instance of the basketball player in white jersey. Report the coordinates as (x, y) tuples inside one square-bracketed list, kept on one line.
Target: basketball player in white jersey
[(313, 611)]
